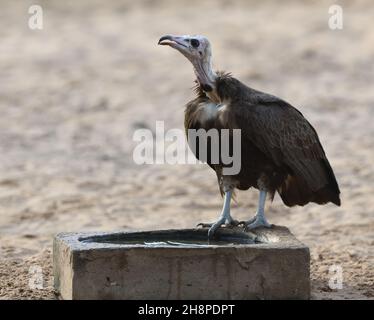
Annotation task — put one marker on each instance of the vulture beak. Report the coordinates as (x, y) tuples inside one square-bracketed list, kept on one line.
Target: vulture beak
[(197, 50), (177, 42)]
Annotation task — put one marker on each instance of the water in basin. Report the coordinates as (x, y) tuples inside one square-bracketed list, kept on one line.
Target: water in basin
[(174, 238)]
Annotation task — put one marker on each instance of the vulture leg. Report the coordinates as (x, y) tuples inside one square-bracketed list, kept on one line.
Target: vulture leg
[(259, 219), (225, 217)]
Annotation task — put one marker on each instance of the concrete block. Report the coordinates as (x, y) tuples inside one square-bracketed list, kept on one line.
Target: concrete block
[(181, 264)]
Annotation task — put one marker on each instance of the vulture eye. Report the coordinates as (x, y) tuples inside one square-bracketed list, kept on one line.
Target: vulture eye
[(195, 43)]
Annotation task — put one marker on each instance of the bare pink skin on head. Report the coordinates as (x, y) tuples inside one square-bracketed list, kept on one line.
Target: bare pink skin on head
[(198, 51)]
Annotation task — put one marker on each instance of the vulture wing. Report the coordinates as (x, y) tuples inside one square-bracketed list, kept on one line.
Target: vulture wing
[(282, 133)]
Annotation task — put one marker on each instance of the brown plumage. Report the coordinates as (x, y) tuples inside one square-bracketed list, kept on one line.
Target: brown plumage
[(280, 148)]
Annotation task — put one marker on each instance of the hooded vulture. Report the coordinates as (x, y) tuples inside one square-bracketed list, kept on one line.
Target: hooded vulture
[(280, 150)]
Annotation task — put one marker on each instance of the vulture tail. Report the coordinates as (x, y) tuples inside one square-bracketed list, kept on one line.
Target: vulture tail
[(295, 190)]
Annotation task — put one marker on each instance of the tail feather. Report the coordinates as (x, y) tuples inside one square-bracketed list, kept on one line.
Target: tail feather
[(295, 189)]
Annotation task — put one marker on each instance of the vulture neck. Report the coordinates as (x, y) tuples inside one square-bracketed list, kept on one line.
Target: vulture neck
[(207, 78)]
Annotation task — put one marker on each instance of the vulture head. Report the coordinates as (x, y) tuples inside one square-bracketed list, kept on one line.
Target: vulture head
[(198, 51)]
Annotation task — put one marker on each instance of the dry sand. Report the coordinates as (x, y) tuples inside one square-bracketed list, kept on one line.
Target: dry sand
[(72, 95)]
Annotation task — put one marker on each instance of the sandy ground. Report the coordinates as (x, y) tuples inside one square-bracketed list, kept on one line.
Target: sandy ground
[(72, 94)]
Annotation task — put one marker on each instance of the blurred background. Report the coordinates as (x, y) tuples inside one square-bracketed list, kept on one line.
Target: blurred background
[(72, 94)]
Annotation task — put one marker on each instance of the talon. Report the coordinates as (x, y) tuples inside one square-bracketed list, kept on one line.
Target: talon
[(230, 224), (244, 224), (212, 230), (256, 223), (211, 233), (204, 225)]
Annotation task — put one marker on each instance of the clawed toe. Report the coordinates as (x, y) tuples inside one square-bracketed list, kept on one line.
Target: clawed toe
[(244, 223), (229, 224), (213, 227), (204, 225), (257, 223), (212, 230), (232, 223)]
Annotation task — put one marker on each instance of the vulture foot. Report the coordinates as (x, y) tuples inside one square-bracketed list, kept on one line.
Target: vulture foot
[(257, 221), (213, 227)]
